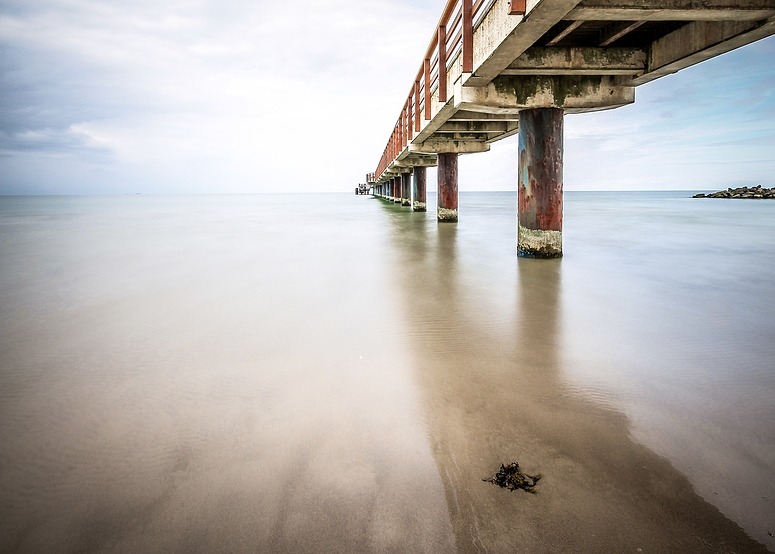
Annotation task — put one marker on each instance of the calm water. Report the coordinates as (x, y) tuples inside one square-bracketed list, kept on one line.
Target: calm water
[(280, 372)]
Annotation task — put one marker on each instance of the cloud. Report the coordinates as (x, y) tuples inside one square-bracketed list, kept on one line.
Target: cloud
[(237, 95), (263, 91)]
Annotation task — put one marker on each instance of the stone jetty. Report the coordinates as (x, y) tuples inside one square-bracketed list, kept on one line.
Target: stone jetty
[(743, 192)]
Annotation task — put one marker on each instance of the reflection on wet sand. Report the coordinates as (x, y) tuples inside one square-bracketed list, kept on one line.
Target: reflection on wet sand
[(224, 380), (493, 393)]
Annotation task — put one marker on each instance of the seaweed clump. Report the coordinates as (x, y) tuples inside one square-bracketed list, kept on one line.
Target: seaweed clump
[(512, 478)]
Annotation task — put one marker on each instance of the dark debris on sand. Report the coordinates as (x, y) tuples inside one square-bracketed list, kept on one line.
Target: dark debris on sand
[(512, 478)]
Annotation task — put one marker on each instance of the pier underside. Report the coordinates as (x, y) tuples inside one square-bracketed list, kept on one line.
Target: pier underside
[(495, 69)]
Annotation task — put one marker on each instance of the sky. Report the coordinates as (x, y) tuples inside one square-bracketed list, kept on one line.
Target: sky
[(237, 96)]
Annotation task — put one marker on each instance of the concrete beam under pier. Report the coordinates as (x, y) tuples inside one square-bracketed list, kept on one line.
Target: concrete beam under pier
[(521, 92), (442, 146), (555, 60)]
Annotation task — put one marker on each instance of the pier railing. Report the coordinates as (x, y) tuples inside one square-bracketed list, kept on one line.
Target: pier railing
[(453, 39)]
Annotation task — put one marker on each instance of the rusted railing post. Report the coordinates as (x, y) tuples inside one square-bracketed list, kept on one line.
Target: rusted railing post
[(427, 75), (468, 37), (442, 63), (517, 7), (409, 116), (417, 106)]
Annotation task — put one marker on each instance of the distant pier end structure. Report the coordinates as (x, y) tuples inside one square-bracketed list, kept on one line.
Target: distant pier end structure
[(496, 68)]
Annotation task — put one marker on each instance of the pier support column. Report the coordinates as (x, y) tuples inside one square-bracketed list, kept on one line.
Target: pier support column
[(398, 192), (539, 205), (406, 189), (447, 187), (419, 189)]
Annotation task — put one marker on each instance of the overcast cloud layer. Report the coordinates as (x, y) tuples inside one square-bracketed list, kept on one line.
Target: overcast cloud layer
[(234, 96)]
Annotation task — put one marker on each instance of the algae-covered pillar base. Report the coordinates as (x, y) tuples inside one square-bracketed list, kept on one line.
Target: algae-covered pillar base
[(419, 189), (406, 189), (447, 183), (539, 205)]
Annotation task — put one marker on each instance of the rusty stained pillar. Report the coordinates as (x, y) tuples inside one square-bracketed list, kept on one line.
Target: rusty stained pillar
[(539, 205), (406, 188), (419, 189), (447, 183), (398, 192)]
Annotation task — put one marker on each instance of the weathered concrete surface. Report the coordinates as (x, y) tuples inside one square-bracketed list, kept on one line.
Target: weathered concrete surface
[(501, 38), (539, 184), (447, 183), (699, 41), (571, 92), (555, 60)]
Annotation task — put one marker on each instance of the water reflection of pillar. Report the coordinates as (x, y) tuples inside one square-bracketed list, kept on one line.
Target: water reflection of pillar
[(492, 385), (537, 333)]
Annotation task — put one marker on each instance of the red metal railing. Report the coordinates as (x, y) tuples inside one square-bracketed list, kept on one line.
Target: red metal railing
[(454, 36)]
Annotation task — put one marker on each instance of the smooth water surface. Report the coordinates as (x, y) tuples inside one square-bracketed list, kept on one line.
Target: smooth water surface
[(310, 373)]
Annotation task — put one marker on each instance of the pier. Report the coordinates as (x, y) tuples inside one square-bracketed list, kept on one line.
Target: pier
[(498, 68)]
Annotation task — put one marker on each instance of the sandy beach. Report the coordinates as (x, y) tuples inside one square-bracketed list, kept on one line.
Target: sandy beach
[(222, 375)]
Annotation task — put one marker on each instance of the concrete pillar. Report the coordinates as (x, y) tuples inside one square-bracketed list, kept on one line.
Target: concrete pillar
[(419, 189), (539, 207), (398, 193), (447, 183), (406, 189)]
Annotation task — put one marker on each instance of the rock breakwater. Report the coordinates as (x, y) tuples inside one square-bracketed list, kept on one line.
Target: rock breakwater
[(743, 192)]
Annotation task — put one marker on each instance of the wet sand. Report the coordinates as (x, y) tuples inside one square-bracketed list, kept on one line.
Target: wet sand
[(172, 382), (493, 394)]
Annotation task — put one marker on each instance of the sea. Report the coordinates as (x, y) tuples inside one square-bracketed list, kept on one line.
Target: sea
[(250, 372)]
